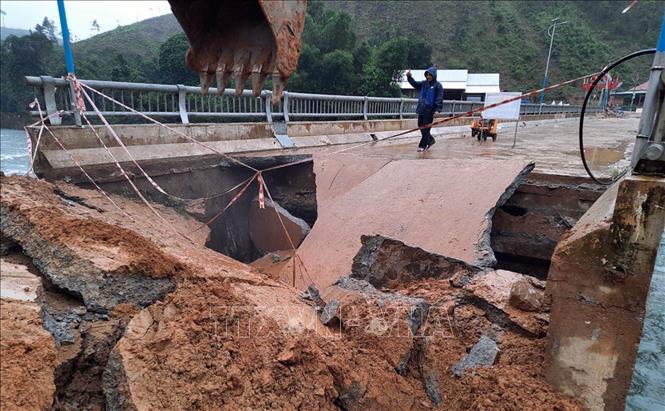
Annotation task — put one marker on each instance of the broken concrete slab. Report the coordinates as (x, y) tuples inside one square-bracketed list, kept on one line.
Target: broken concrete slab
[(483, 354), (599, 281), (336, 175), (491, 292), (103, 264), (443, 207), (266, 230), (384, 262)]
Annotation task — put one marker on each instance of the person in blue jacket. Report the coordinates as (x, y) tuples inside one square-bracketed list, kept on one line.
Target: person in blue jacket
[(430, 104)]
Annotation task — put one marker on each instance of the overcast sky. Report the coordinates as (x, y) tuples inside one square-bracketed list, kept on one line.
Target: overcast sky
[(23, 14)]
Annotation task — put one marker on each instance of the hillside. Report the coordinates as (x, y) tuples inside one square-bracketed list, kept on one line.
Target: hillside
[(138, 40), (507, 37), (358, 51), (511, 37), (8, 31)]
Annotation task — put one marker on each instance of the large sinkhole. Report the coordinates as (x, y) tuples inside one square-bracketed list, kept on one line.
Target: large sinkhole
[(235, 233), (527, 228), (292, 187)]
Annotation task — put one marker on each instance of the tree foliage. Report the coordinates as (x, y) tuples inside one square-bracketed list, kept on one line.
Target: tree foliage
[(21, 56), (333, 61), (171, 67), (359, 47)]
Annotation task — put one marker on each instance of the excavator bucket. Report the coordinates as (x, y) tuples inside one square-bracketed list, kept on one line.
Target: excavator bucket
[(249, 38)]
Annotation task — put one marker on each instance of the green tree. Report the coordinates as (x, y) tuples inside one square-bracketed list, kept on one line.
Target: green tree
[(21, 56), (171, 66), (331, 61), (337, 73), (47, 28)]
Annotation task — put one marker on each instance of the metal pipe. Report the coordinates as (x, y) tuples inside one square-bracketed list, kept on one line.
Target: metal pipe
[(652, 102), (69, 57)]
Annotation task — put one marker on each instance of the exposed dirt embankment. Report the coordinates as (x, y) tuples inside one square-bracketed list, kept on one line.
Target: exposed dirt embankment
[(144, 319), (28, 356)]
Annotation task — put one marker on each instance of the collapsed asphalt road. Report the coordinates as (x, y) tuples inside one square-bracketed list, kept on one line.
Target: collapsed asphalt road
[(130, 316)]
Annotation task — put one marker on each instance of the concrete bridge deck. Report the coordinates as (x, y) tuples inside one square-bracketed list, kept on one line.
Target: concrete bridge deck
[(552, 144)]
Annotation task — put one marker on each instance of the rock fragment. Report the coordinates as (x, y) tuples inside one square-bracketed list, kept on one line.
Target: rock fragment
[(482, 354), (385, 262), (329, 312), (491, 292), (524, 296)]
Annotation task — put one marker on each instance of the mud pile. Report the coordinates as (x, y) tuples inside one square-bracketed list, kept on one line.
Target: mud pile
[(28, 358), (135, 316)]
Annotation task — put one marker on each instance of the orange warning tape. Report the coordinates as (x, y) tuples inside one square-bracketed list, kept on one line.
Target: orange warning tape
[(235, 160), (258, 174), (262, 199), (44, 126), (233, 200)]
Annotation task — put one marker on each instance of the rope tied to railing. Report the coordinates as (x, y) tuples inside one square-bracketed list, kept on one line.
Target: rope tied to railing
[(78, 103), (80, 94)]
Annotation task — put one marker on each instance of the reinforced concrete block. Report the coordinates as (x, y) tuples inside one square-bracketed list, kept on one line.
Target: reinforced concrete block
[(599, 282)]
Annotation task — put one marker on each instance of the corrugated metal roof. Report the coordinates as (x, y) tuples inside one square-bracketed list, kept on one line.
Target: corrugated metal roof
[(483, 79), (449, 79), (641, 89), (459, 80), (482, 89)]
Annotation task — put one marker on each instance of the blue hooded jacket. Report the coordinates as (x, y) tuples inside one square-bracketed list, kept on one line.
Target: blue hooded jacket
[(430, 98)]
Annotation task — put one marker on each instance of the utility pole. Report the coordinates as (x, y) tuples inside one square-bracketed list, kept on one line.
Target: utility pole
[(547, 66)]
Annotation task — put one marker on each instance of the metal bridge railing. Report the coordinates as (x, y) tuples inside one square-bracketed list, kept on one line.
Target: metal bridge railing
[(185, 102)]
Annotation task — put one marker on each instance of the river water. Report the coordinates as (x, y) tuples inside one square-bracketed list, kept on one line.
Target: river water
[(647, 391), (14, 157)]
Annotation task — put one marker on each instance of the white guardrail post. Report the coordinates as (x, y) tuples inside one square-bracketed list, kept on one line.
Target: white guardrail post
[(182, 104), (285, 103), (48, 91), (266, 95)]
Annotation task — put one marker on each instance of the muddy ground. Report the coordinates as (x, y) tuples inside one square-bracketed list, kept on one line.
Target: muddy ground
[(552, 144), (135, 313)]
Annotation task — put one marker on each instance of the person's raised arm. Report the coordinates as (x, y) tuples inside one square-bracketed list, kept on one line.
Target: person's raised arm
[(415, 84)]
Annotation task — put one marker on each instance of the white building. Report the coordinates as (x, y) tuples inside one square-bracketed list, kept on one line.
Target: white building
[(457, 84)]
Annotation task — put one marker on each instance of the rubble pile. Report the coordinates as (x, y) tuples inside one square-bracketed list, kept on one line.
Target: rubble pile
[(126, 314)]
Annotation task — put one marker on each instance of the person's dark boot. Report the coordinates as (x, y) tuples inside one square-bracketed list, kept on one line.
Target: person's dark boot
[(432, 142)]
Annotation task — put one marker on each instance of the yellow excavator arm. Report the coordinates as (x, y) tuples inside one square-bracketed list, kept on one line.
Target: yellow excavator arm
[(249, 38)]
